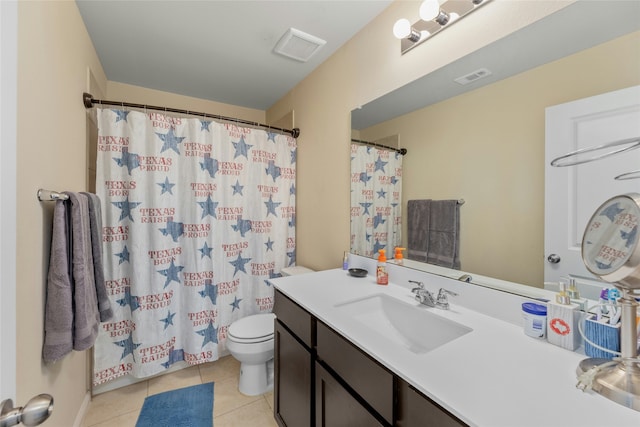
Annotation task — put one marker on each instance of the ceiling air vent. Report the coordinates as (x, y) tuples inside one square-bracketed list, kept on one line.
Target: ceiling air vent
[(298, 45), (473, 76)]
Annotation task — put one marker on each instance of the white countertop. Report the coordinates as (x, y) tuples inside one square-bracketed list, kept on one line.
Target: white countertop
[(493, 376)]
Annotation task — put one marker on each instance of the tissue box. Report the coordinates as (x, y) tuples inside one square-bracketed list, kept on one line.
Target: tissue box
[(603, 334)]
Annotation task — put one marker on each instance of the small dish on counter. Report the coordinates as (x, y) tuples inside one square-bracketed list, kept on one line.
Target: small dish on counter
[(358, 272)]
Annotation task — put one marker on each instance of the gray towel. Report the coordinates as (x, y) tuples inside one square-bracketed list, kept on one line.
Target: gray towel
[(86, 318), (71, 308), (418, 217), (444, 232), (58, 325), (95, 223)]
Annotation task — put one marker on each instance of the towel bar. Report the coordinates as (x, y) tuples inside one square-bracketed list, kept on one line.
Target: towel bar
[(48, 195)]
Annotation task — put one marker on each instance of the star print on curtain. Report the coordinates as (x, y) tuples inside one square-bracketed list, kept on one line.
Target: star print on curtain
[(376, 196), (197, 216)]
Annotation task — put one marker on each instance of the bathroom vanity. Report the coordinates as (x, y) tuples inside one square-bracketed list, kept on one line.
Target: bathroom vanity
[(317, 365), (349, 352)]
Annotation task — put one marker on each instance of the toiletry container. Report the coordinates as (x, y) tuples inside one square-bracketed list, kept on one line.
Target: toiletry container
[(562, 319), (535, 319), (382, 277), (250, 340), (562, 325), (398, 258)]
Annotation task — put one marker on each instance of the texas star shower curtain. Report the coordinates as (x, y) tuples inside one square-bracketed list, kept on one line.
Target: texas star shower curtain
[(376, 195), (197, 215)]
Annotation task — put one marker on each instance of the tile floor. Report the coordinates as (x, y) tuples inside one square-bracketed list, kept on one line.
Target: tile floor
[(120, 408)]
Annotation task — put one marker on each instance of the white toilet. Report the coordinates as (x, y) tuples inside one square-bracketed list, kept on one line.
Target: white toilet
[(250, 341)]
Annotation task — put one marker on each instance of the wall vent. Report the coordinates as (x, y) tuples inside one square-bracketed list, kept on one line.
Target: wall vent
[(298, 45), (473, 76)]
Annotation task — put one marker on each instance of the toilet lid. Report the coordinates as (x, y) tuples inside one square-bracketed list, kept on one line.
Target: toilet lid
[(257, 327)]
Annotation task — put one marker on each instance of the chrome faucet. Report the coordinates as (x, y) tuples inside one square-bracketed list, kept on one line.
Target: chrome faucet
[(423, 296)]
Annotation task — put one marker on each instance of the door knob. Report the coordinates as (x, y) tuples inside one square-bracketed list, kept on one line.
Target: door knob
[(553, 258), (35, 412)]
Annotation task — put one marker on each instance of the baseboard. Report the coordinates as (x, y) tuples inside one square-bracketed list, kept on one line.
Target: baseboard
[(83, 410)]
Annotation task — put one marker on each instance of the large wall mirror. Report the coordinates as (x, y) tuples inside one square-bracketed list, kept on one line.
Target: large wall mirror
[(484, 142)]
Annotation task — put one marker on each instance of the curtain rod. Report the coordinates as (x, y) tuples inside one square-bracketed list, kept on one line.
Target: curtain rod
[(401, 151), (89, 101)]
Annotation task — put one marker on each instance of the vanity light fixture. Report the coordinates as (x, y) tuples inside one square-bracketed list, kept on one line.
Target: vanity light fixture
[(435, 16)]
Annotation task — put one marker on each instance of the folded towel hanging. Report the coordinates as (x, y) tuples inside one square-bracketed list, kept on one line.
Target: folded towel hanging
[(418, 217), (444, 234), (71, 308), (433, 228)]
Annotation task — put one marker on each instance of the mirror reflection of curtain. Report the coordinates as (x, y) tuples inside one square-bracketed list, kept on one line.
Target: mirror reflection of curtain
[(376, 194)]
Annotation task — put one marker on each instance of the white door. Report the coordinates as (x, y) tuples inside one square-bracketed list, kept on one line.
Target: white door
[(8, 104), (573, 193)]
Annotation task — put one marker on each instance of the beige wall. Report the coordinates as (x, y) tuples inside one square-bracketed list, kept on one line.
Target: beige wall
[(54, 53), (139, 95), (369, 66), (487, 147)]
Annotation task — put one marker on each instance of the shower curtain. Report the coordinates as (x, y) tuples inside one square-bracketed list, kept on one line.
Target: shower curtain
[(376, 195), (197, 215)]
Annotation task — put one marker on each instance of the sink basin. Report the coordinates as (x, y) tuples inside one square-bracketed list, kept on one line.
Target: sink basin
[(414, 327)]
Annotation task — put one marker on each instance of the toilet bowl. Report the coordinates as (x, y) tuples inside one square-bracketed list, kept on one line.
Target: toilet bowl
[(250, 341)]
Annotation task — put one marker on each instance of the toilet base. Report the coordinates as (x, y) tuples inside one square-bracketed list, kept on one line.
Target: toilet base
[(256, 379)]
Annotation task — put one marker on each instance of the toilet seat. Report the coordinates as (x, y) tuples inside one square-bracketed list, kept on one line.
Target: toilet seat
[(252, 329)]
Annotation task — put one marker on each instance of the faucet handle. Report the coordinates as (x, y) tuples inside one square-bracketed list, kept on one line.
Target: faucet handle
[(420, 286), (443, 301)]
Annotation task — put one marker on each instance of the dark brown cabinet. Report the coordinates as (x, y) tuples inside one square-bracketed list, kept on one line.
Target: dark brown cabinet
[(336, 407), (366, 377), (415, 410), (323, 380), (293, 364)]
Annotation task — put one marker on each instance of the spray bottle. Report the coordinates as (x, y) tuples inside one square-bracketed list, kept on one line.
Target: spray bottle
[(382, 277)]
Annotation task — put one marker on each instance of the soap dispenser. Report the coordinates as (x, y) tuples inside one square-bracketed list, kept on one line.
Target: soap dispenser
[(382, 277), (398, 257)]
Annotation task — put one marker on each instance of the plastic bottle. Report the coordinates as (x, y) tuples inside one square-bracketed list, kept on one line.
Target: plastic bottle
[(398, 257), (345, 261), (382, 277)]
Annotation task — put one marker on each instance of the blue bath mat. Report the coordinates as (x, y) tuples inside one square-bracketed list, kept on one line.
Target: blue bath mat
[(184, 407)]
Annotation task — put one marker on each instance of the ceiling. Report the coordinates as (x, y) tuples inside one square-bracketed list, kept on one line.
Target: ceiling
[(217, 50)]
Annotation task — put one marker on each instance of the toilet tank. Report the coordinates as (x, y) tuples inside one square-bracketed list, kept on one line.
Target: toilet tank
[(296, 269)]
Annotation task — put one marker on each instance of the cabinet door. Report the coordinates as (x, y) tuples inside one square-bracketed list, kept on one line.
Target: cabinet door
[(415, 410), (364, 375), (335, 407), (292, 380)]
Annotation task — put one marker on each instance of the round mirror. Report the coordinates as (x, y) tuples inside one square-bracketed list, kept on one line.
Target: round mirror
[(610, 243)]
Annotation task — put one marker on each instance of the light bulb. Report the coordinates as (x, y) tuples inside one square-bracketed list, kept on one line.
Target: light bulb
[(453, 17), (429, 10), (402, 28)]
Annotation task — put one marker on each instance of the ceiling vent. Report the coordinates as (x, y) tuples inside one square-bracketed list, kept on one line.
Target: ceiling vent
[(298, 45), (473, 76)]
